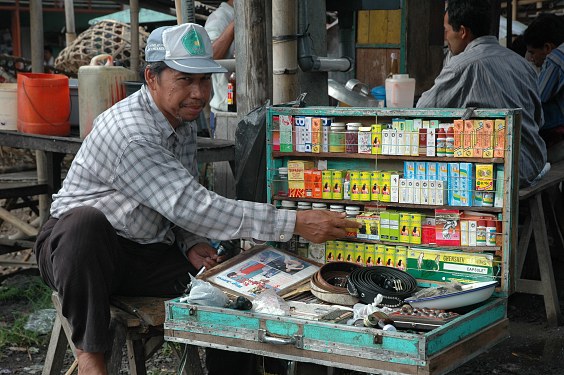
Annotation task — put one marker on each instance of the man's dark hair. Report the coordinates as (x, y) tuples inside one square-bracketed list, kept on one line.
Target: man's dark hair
[(48, 48), (473, 14), (546, 28), (155, 67)]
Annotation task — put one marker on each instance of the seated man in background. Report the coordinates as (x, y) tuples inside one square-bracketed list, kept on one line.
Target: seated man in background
[(545, 47), (484, 74)]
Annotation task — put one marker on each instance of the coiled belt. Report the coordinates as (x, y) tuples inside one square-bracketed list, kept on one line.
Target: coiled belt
[(393, 284), (329, 284)]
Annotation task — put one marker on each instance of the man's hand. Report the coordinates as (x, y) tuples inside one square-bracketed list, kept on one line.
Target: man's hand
[(203, 254), (319, 225)]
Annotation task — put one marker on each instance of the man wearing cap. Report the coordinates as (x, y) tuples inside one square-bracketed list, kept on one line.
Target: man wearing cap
[(131, 217)]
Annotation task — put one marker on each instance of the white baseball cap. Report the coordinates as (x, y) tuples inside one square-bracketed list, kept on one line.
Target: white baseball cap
[(186, 48)]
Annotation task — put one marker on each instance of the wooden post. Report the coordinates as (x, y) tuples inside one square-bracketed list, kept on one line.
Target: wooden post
[(36, 27), (251, 61), (284, 52), (134, 24), (70, 34)]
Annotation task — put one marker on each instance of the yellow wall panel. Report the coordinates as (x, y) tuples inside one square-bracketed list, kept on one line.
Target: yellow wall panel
[(363, 27), (378, 26), (394, 27)]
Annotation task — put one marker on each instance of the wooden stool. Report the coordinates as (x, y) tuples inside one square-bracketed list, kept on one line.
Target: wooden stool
[(535, 225), (137, 323)]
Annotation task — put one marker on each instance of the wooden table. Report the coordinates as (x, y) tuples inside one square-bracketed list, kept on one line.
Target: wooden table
[(55, 149)]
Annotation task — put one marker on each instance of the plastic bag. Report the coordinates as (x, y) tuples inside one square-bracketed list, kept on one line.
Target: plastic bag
[(205, 294), (41, 321), (268, 302)]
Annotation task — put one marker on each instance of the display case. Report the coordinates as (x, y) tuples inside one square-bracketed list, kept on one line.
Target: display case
[(434, 191)]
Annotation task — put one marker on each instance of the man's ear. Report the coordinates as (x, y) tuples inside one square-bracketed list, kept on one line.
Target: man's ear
[(150, 78), (466, 33)]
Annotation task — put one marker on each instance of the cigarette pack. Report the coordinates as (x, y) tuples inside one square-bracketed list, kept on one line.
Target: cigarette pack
[(469, 138), (488, 139), (325, 129), (458, 138), (499, 144), (285, 124), (316, 138)]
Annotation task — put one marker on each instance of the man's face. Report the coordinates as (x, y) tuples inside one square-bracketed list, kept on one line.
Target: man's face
[(537, 55), (456, 42), (180, 96)]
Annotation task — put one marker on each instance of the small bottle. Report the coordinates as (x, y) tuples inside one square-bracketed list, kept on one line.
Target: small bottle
[(232, 93), (490, 232), (449, 142), (281, 182), (394, 64), (481, 233), (441, 142)]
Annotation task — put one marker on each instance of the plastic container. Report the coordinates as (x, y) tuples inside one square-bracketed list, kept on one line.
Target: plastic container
[(400, 91), (73, 89), (8, 106), (351, 137), (43, 104), (318, 206), (99, 87), (337, 137), (379, 93), (304, 206)]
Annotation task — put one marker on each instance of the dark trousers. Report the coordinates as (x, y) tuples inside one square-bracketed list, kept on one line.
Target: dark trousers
[(85, 261)]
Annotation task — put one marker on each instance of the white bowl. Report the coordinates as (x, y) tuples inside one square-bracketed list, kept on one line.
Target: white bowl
[(469, 295)]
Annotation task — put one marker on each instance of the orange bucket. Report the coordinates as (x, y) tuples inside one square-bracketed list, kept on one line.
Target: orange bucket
[(43, 104)]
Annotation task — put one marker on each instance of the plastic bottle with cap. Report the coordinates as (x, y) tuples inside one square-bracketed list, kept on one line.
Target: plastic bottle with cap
[(441, 142)]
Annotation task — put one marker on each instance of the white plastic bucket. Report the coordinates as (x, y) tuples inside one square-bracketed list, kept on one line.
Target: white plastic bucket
[(8, 106), (400, 91)]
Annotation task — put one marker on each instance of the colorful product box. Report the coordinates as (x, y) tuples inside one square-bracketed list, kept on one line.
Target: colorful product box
[(394, 187), (431, 142), (499, 135), (299, 133), (325, 129), (484, 177), (337, 187), (422, 142), (479, 129), (444, 266), (330, 247), (375, 191), (453, 184), (355, 185), (401, 258), (415, 225), (409, 169), (296, 169), (308, 134), (326, 181), (431, 171), (286, 133), (394, 231), (376, 132), (499, 176), (349, 251), (370, 254), (385, 226), (365, 187), (340, 251), (385, 183), (316, 136), (447, 227), (466, 184), (458, 138), (390, 257), (364, 140), (469, 138), (313, 183), (380, 255), (405, 227), (359, 254), (487, 138), (420, 170), (296, 189), (403, 195)]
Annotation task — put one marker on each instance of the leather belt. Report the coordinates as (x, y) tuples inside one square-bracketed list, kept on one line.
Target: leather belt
[(393, 284), (329, 284)]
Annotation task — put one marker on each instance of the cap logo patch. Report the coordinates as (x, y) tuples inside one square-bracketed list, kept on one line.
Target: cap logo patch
[(193, 43)]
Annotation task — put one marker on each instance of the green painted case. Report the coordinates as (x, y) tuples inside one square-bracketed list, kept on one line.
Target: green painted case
[(359, 348)]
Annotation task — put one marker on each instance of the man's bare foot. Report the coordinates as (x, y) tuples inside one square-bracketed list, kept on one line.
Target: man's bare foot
[(90, 363)]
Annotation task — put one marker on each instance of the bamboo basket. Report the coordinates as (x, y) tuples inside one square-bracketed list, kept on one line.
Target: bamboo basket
[(110, 37)]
